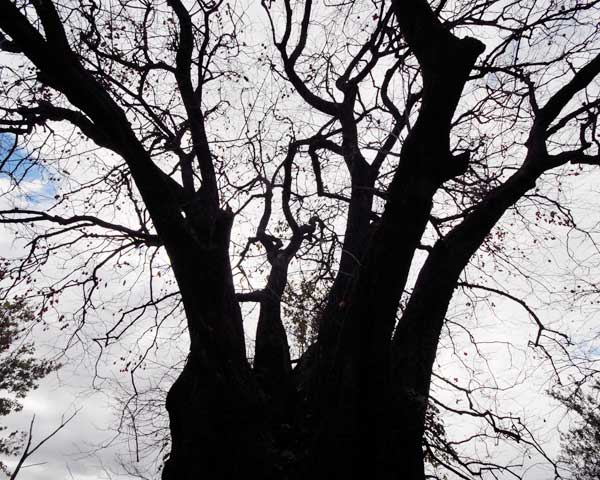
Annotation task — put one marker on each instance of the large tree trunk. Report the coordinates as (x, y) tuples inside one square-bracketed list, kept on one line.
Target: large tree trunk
[(217, 413), (218, 425)]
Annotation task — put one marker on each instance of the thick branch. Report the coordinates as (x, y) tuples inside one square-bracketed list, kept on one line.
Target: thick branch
[(82, 220), (360, 371), (289, 60), (415, 341), (561, 98)]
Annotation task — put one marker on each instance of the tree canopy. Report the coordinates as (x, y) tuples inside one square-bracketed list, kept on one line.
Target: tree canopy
[(283, 213)]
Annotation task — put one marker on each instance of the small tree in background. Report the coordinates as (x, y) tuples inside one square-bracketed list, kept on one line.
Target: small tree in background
[(581, 444), (20, 370)]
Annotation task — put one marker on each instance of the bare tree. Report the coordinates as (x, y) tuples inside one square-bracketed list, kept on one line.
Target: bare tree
[(357, 142)]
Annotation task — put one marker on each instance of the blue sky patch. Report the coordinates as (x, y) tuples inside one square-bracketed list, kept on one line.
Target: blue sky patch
[(24, 169)]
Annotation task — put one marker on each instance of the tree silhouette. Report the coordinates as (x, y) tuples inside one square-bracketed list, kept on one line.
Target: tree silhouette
[(353, 157)]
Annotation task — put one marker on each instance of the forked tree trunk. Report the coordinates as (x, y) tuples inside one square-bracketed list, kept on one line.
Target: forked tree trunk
[(217, 413), (350, 415)]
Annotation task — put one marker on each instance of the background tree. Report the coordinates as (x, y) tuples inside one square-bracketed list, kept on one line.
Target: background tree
[(20, 370), (582, 441), (358, 155)]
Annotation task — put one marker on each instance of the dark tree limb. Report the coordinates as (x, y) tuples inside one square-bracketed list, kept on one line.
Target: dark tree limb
[(416, 337), (356, 401)]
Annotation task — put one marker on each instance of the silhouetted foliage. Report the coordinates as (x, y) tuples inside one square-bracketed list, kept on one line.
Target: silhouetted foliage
[(20, 369), (581, 444)]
